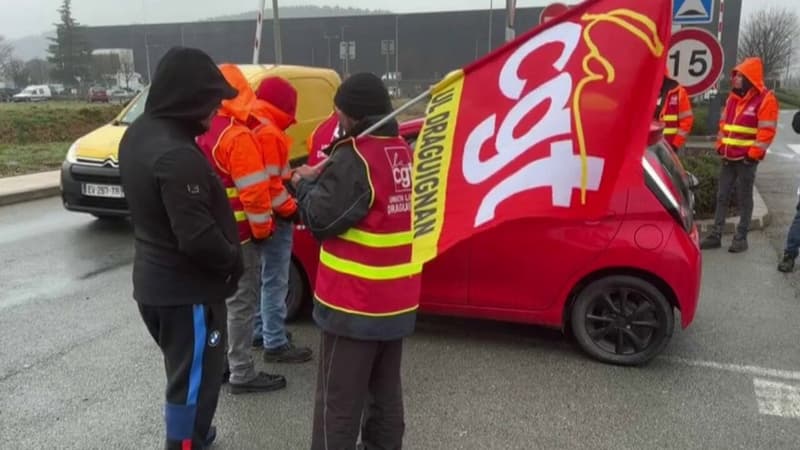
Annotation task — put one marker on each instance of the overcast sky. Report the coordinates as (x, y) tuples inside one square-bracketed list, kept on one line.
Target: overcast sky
[(26, 17)]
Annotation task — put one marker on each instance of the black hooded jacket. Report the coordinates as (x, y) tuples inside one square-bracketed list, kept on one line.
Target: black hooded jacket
[(187, 245)]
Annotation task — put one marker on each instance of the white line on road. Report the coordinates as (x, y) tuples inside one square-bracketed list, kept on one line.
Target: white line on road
[(794, 147), (777, 399), (737, 368)]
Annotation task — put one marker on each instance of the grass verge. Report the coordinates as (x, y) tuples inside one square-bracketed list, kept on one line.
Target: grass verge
[(31, 158)]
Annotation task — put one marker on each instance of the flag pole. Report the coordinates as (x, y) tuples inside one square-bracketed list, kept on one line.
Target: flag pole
[(397, 112)]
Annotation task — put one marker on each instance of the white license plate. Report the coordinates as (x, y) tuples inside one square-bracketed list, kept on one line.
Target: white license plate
[(103, 190)]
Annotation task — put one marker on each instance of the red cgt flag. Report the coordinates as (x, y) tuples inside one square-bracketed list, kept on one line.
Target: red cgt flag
[(549, 125)]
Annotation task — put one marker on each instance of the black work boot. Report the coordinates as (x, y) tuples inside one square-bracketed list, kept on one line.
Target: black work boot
[(738, 245), (263, 382), (287, 354), (787, 263), (711, 241)]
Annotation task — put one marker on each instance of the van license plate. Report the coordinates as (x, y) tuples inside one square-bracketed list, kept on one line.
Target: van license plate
[(103, 190)]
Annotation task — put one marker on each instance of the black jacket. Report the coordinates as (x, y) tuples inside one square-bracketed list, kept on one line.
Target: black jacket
[(187, 245), (339, 197)]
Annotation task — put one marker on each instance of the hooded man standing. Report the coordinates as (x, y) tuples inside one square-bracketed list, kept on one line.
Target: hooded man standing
[(367, 289), (187, 252), (746, 131), (274, 112), (233, 151)]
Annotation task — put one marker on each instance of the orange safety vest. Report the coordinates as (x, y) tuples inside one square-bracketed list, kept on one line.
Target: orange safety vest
[(739, 128), (208, 143), (366, 286), (276, 163), (672, 116)]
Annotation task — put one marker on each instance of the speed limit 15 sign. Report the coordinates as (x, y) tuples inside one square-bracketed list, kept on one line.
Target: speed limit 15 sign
[(695, 59)]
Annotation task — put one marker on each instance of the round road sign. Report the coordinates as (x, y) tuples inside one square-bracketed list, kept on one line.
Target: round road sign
[(552, 11), (695, 59)]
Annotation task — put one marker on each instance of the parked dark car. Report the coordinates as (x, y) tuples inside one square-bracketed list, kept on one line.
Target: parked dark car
[(6, 94), (98, 95)]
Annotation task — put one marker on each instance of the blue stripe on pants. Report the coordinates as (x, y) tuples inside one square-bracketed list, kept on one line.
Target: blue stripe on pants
[(180, 418), (196, 374)]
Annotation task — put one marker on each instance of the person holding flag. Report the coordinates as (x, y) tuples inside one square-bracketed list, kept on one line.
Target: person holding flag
[(367, 291)]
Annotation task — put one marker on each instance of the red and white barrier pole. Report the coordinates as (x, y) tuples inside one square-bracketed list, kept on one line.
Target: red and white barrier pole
[(259, 27)]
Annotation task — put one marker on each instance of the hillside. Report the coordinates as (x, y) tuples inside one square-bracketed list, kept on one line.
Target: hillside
[(289, 12)]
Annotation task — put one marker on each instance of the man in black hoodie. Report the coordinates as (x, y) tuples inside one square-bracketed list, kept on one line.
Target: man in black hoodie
[(187, 248)]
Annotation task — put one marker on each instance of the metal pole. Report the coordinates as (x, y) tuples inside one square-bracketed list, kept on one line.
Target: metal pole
[(491, 17), (147, 56), (511, 8), (276, 29), (259, 28), (397, 48), (397, 112)]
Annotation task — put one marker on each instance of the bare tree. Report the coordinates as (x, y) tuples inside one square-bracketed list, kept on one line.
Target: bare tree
[(770, 34), (6, 55), (127, 70)]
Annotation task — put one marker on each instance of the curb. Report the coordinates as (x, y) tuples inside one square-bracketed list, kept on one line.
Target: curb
[(29, 187), (761, 218)]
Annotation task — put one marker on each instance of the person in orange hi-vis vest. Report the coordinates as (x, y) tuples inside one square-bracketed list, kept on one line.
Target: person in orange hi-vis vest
[(233, 151), (675, 111), (747, 128), (322, 137), (273, 112)]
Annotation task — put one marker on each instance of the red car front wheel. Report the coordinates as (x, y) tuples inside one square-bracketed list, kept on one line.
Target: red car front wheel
[(622, 320)]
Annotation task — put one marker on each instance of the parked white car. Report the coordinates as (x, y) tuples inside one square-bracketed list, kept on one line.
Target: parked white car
[(35, 93)]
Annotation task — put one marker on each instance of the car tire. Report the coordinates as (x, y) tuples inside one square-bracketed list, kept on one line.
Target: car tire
[(298, 291), (622, 320)]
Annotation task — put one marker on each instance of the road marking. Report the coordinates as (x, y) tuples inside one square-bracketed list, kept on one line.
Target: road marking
[(777, 399), (781, 154), (737, 368), (794, 147)]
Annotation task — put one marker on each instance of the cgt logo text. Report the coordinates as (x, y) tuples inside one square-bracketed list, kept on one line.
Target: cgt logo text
[(400, 163), (561, 169)]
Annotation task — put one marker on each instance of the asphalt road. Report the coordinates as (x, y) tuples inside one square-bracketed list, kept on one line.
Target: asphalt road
[(78, 370)]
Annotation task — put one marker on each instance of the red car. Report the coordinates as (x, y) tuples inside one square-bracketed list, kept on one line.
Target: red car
[(98, 95), (613, 283)]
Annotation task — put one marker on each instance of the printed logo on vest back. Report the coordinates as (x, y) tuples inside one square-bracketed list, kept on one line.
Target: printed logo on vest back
[(400, 164)]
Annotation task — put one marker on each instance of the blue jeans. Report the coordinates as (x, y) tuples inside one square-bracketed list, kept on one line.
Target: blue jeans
[(276, 256), (793, 238)]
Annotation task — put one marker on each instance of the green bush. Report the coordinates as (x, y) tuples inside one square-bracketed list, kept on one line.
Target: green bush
[(705, 164), (700, 125), (788, 98)]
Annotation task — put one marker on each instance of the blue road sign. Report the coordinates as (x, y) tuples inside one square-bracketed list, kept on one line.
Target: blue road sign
[(692, 11)]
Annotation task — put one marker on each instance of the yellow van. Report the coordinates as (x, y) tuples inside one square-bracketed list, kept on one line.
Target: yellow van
[(90, 174)]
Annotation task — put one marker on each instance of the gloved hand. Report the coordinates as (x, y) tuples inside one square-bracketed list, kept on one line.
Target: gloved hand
[(293, 218)]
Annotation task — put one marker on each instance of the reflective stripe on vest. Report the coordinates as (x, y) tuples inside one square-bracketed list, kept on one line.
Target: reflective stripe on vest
[(208, 143), (739, 130), (372, 260)]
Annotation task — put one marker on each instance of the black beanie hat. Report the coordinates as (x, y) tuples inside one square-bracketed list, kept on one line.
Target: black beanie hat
[(362, 95)]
